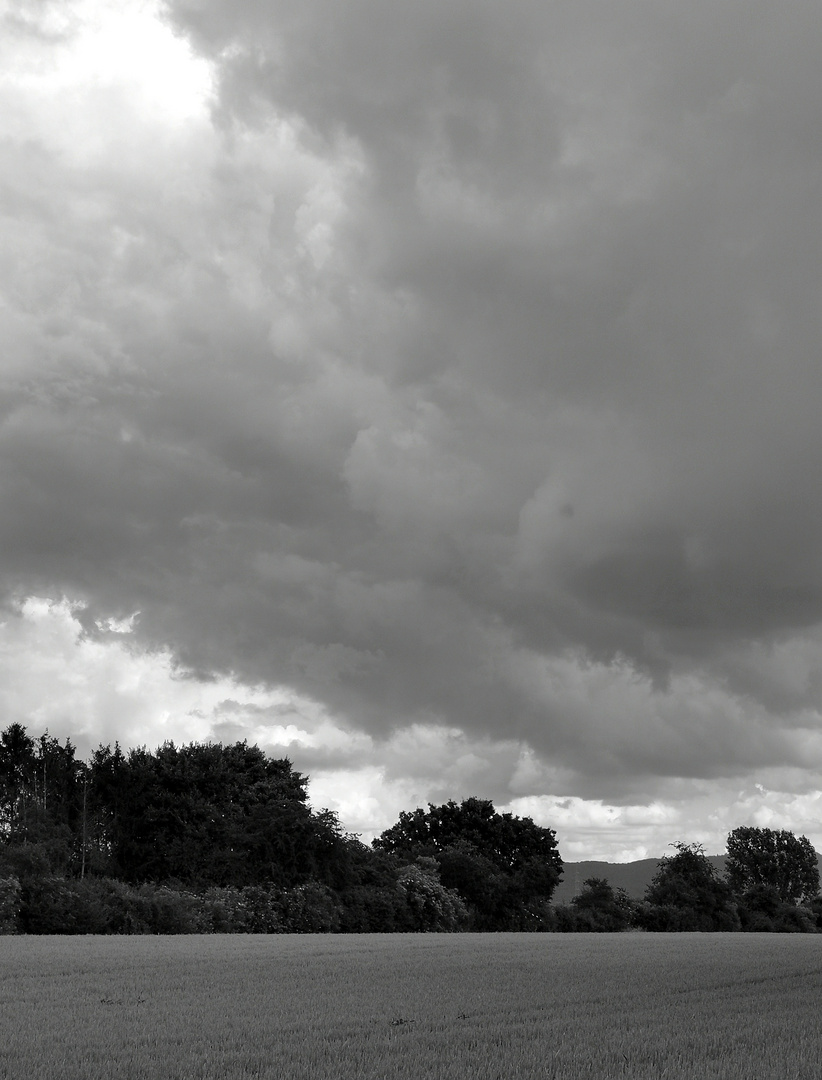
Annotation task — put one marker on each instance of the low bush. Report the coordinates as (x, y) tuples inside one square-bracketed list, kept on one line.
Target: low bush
[(10, 893)]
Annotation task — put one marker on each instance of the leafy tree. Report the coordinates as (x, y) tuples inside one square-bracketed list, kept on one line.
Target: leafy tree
[(432, 906), (765, 857), (205, 815), (762, 909), (55, 780), (759, 907), (369, 898), (814, 909), (687, 893), (600, 907), (795, 919), (201, 838), (507, 841), (480, 882), (375, 909), (18, 765), (101, 809), (504, 867)]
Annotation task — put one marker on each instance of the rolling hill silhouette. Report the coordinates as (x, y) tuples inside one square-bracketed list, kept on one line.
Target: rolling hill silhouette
[(633, 877)]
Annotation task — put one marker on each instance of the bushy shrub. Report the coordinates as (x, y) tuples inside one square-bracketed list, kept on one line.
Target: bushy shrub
[(794, 919), (432, 907), (379, 909), (526, 916), (308, 909), (687, 894), (10, 894), (128, 911), (25, 861), (55, 905), (222, 910), (258, 911), (602, 909), (756, 922), (666, 917), (762, 910), (171, 911), (814, 909), (565, 919)]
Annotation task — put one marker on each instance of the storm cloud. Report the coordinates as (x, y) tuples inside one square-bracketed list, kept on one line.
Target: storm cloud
[(454, 367)]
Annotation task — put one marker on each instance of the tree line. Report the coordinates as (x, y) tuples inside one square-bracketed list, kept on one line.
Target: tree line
[(770, 884), (209, 838)]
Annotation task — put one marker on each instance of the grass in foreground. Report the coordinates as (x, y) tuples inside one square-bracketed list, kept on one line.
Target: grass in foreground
[(408, 1007)]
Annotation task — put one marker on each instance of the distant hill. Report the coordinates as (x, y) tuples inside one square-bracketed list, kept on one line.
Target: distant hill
[(633, 877)]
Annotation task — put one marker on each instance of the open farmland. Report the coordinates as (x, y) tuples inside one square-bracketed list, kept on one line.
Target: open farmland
[(439, 1007)]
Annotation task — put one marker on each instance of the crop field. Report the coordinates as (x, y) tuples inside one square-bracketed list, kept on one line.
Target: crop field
[(411, 1007)]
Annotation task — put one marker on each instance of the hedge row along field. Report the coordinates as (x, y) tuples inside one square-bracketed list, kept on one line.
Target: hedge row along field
[(411, 1007)]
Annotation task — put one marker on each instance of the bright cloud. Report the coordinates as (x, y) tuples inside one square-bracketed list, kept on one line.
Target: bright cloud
[(81, 48), (100, 688)]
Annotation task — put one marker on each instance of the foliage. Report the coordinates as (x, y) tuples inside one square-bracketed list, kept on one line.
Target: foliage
[(38, 784), (432, 906), (309, 909), (17, 768), (814, 910), (762, 910), (205, 814), (221, 839), (564, 919), (503, 867), (37, 858), (688, 894), (9, 904), (774, 858), (371, 909), (473, 875), (53, 905), (507, 841), (600, 907)]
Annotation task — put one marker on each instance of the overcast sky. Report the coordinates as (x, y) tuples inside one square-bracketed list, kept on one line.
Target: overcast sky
[(428, 392)]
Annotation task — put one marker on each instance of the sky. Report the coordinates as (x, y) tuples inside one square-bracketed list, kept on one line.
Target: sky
[(428, 393)]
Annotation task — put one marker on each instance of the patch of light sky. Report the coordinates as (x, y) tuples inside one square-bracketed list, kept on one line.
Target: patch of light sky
[(99, 688), (92, 44)]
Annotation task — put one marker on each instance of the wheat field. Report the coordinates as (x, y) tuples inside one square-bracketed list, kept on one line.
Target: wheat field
[(411, 1007)]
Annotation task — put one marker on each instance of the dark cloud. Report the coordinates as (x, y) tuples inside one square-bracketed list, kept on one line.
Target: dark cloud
[(464, 374)]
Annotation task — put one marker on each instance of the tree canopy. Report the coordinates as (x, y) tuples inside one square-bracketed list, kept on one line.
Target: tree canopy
[(687, 893), (505, 868), (207, 837), (600, 907), (509, 842), (776, 858), (132, 829)]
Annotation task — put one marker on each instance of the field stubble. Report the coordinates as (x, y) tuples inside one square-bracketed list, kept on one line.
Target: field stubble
[(411, 1007)]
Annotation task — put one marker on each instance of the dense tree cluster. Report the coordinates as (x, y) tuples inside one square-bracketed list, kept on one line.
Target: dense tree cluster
[(767, 875), (779, 861), (505, 868), (212, 838)]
